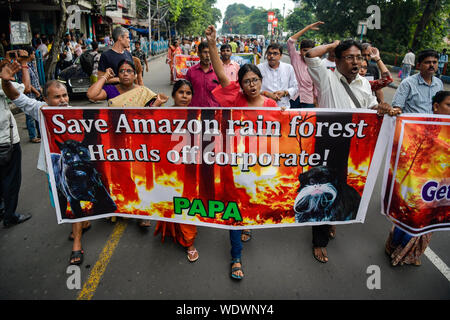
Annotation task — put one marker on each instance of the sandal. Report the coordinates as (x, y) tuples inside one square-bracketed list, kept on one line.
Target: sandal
[(247, 233), (71, 238), (318, 258), (192, 255), (235, 276), (76, 255)]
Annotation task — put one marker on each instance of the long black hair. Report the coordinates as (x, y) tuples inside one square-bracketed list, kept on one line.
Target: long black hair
[(248, 67)]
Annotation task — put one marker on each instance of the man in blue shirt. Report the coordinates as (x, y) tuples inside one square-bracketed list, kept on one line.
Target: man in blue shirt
[(415, 93)]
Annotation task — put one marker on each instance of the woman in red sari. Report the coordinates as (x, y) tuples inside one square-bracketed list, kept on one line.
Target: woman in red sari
[(184, 234), (174, 49)]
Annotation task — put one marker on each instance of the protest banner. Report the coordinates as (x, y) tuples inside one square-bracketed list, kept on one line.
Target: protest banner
[(243, 58), (416, 184), (182, 63), (227, 168)]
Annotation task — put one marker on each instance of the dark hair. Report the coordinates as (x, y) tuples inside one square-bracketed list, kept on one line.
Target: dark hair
[(345, 45), (125, 61), (202, 46), (248, 67), (94, 45), (179, 84), (275, 46), (440, 96), (307, 43), (49, 84), (427, 53), (225, 46), (29, 49)]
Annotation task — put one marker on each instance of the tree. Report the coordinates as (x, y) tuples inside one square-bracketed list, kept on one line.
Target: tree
[(299, 19), (50, 65)]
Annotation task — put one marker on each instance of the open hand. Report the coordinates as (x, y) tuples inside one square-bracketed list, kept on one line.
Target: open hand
[(315, 25), (9, 70), (374, 53), (161, 98)]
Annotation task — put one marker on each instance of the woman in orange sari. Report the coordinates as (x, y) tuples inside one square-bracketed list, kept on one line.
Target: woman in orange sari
[(184, 234), (174, 49)]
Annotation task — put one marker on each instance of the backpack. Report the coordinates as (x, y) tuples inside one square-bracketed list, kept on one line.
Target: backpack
[(87, 62)]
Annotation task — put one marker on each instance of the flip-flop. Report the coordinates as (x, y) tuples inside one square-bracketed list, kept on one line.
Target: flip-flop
[(234, 276), (192, 252), (82, 232), (246, 233), (76, 255), (317, 258)]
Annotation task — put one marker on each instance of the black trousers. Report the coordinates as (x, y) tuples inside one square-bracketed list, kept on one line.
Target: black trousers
[(10, 180), (321, 235)]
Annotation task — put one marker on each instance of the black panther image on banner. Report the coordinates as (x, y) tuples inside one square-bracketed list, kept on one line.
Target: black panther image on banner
[(321, 197), (77, 180)]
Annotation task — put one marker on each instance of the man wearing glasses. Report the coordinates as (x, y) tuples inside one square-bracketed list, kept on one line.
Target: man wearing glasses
[(279, 82), (342, 89)]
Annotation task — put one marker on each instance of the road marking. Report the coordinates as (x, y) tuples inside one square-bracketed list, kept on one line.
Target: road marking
[(90, 286), (442, 267)]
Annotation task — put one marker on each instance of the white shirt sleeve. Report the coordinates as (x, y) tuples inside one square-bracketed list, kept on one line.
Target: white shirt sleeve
[(30, 106), (319, 73), (293, 85)]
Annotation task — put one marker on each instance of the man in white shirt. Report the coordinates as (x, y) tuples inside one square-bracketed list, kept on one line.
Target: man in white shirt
[(407, 64), (279, 82), (55, 94), (342, 89)]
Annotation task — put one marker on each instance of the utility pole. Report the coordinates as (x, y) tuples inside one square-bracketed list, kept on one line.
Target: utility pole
[(149, 26), (159, 20)]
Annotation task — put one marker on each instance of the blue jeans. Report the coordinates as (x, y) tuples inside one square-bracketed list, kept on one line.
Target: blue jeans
[(406, 70), (33, 127), (236, 244)]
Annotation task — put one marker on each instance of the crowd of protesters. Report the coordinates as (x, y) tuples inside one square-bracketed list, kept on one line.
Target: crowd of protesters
[(342, 74)]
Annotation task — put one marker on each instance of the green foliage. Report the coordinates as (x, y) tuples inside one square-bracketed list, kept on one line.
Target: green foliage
[(404, 23), (240, 19), (192, 17)]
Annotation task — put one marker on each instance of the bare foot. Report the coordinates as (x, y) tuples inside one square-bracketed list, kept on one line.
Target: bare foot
[(320, 254)]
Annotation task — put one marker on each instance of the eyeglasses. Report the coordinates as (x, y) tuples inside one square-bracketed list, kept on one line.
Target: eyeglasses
[(254, 81), (364, 68), (351, 58), (273, 54), (129, 71)]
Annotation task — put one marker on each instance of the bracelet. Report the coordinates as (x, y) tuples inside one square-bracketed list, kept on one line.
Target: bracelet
[(24, 67), (106, 79), (377, 60)]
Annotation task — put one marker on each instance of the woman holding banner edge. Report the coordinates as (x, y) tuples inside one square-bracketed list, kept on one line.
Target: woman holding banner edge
[(184, 234), (229, 94)]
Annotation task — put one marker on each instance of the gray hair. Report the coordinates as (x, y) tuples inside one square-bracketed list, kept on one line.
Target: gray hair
[(52, 83), (366, 46), (118, 32)]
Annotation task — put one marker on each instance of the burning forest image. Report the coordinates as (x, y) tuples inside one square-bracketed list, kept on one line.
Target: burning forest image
[(146, 184)]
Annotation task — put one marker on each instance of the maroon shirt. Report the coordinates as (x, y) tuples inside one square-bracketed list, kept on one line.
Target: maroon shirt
[(203, 84)]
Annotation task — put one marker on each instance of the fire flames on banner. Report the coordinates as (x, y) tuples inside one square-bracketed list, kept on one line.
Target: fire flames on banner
[(416, 186), (226, 168)]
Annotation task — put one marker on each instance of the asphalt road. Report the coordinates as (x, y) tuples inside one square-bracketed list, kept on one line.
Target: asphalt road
[(122, 262)]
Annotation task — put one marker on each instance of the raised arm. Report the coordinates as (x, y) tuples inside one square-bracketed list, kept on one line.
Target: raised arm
[(7, 75), (375, 55), (96, 92), (321, 50), (313, 26), (214, 55)]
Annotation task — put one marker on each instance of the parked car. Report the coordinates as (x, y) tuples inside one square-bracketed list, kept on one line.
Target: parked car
[(76, 80)]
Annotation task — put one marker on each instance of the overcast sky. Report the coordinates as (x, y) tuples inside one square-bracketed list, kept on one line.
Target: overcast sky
[(266, 4)]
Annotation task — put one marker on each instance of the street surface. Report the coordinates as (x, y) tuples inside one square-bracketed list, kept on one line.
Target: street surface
[(123, 262)]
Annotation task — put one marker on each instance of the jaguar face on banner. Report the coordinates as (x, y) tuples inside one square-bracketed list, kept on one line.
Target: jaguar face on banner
[(227, 168), (417, 174)]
